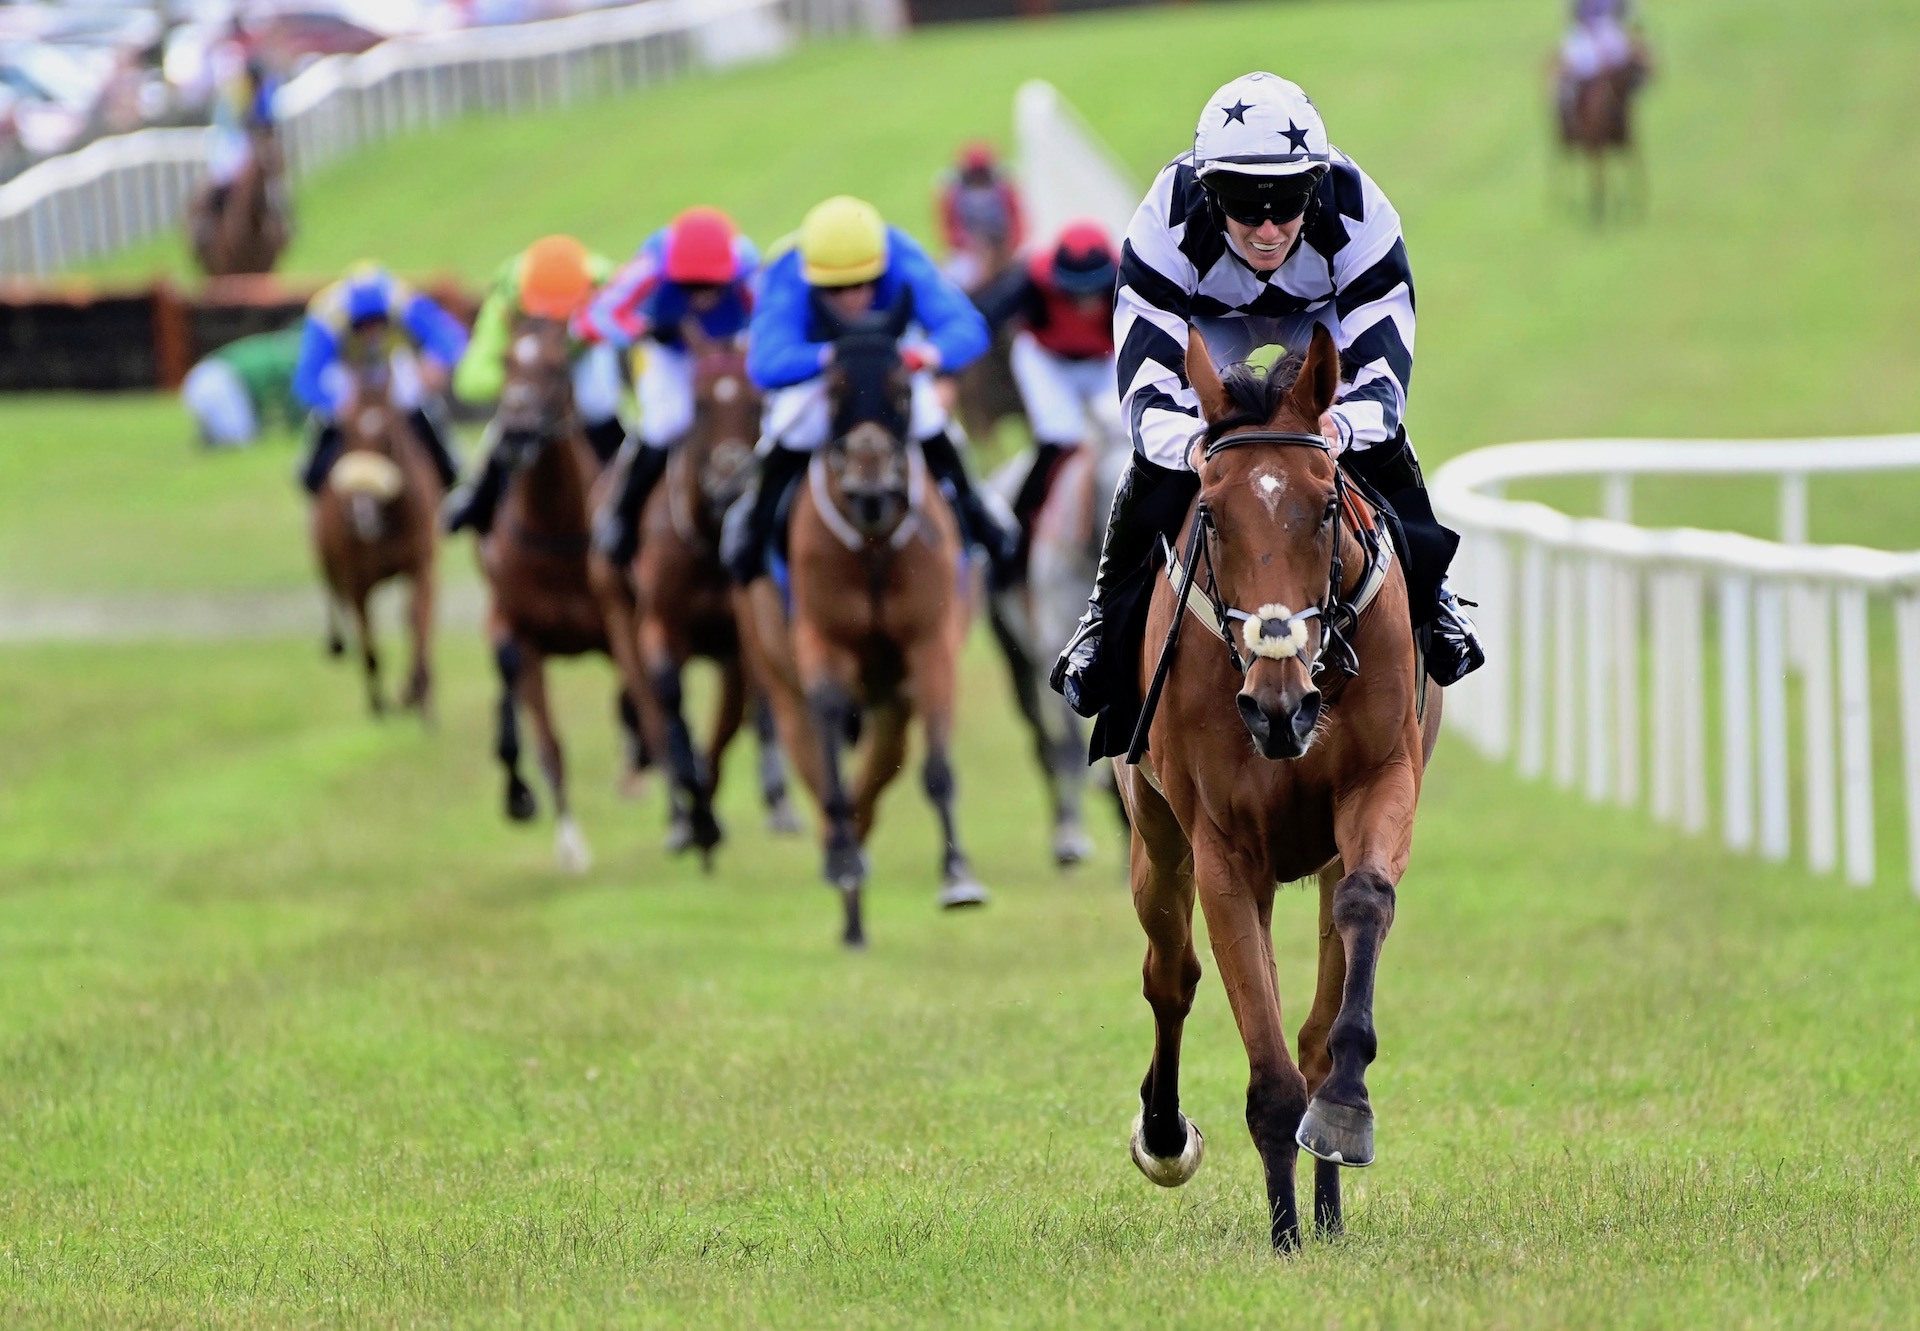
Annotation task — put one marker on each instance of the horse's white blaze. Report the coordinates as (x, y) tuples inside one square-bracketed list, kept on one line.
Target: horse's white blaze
[(570, 846), (726, 388), (1271, 486), (526, 351)]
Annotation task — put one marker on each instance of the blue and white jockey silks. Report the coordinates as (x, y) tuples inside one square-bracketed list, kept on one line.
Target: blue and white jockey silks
[(789, 341), (411, 324), (1348, 271)]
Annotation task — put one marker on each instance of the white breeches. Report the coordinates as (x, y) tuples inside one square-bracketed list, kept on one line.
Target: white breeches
[(1594, 48), (801, 418), (596, 383), (218, 402), (228, 151), (665, 390), (1067, 401)]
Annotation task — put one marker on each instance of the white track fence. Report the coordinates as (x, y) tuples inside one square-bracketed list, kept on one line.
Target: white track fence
[(121, 190), (1616, 651)]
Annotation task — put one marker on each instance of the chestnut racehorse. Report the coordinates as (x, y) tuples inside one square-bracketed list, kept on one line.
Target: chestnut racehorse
[(1296, 637), (373, 520), (880, 609), (248, 229), (685, 602), (548, 594)]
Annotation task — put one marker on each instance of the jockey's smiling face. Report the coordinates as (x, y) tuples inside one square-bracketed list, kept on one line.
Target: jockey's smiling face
[(1264, 247)]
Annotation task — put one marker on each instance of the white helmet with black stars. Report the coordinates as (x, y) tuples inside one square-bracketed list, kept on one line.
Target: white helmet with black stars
[(1259, 125)]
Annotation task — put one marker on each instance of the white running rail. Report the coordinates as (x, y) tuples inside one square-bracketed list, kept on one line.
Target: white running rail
[(1066, 172), (120, 190), (1597, 644)]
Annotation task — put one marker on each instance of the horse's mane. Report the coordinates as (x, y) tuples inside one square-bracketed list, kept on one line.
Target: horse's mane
[(1256, 394)]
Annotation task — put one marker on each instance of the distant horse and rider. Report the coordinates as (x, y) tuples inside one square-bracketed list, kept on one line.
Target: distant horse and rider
[(246, 224), (860, 631), (1599, 71)]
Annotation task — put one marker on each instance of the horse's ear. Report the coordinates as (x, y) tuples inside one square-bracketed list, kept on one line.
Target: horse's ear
[(1319, 380), (1214, 401)]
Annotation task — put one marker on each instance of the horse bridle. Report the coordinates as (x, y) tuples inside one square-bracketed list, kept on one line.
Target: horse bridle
[(1275, 624)]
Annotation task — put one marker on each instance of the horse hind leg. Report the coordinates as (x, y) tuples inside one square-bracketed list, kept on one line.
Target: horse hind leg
[(1068, 769), (369, 655), (336, 639), (420, 621), (520, 804), (694, 825)]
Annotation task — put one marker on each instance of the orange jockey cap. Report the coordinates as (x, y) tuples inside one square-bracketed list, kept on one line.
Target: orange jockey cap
[(700, 248), (556, 277)]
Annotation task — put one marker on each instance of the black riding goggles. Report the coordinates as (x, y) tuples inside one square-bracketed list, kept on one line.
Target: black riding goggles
[(1252, 200)]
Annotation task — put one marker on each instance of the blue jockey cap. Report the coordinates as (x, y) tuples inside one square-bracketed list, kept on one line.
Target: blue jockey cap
[(367, 295)]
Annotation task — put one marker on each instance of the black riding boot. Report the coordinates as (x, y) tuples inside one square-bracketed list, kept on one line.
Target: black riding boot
[(984, 520), (472, 503), (1453, 650), (616, 527), (605, 438), (1151, 502), (749, 524), (430, 434), (323, 450), (1032, 497)]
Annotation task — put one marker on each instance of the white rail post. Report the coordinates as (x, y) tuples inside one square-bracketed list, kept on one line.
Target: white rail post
[(1736, 708), (1534, 615), (1906, 614), (1793, 507), (1626, 683), (1599, 698), (1692, 704), (1566, 614), (1816, 636), (1664, 799), (1616, 497), (1494, 587), (1770, 698), (1856, 737)]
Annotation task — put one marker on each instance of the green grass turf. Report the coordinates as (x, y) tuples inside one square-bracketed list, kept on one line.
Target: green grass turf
[(295, 1031), (298, 1031)]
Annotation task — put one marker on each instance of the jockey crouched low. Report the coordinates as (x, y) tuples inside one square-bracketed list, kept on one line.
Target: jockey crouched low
[(981, 217), (1260, 232), (370, 312), (846, 265), (553, 278), (1062, 302), (696, 271)]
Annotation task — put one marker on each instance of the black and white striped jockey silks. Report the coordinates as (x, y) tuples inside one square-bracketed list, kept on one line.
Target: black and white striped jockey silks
[(1349, 271)]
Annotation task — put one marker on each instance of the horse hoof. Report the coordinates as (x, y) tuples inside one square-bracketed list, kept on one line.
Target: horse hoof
[(707, 833), (1071, 846), (632, 785), (854, 933), (846, 868), (1168, 1172), (521, 806), (1339, 1134), (782, 820), (962, 892), (336, 646), (570, 847), (679, 835)]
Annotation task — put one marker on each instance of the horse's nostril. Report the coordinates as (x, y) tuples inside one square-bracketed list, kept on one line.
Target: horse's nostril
[(1254, 716), (1306, 715)]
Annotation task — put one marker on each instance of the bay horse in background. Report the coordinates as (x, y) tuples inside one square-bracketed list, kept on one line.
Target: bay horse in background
[(1595, 122), (685, 601), (248, 226), (1032, 621), (548, 593), (375, 520), (1330, 692), (985, 392), (880, 606)]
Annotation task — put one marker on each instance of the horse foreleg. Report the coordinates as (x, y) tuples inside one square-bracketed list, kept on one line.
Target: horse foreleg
[(506, 743), (930, 676), (369, 652), (569, 845), (420, 626), (1068, 761), (827, 675), (1060, 768), (336, 641), (729, 714), (1315, 1061), (1165, 1145), (640, 723), (1373, 828), (693, 820), (1236, 893)]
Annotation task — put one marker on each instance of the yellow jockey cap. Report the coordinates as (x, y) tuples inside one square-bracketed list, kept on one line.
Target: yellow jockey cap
[(555, 277), (843, 242)]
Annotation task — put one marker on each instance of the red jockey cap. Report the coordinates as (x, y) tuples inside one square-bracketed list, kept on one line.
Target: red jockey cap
[(978, 156), (1084, 241), (700, 248)]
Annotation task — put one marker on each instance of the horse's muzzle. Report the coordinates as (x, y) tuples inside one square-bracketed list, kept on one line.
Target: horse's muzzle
[(1281, 728)]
